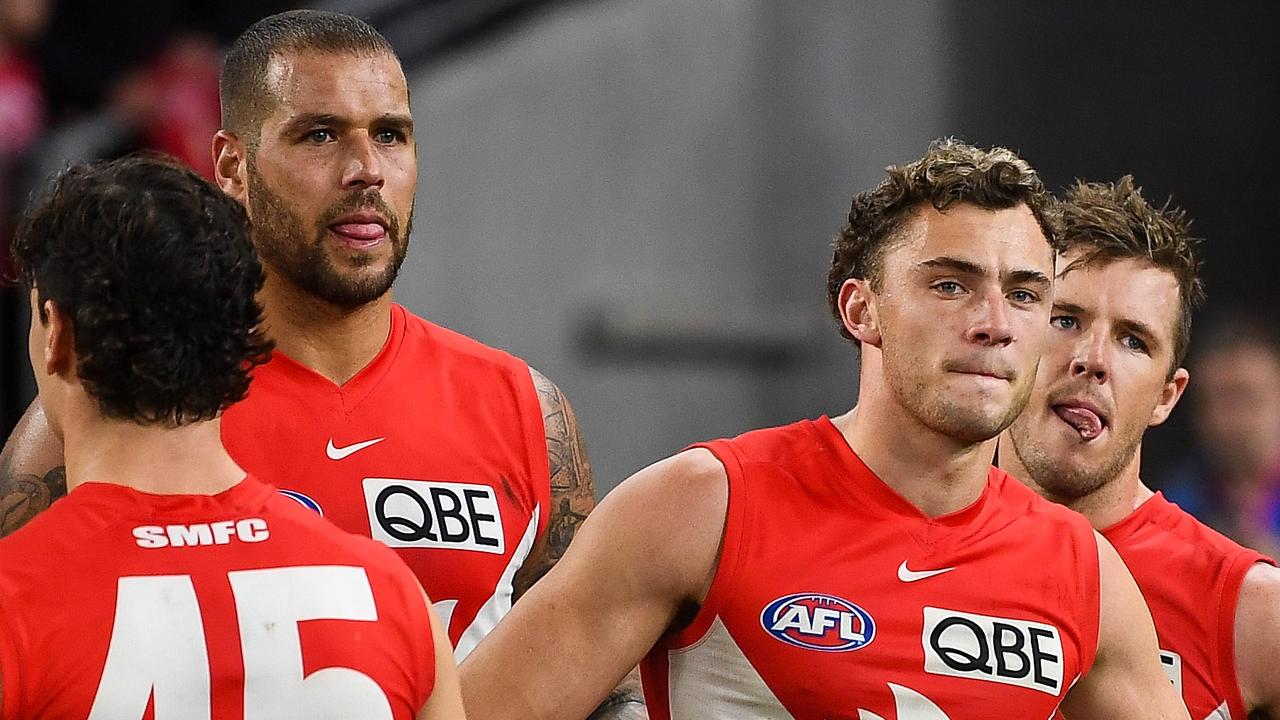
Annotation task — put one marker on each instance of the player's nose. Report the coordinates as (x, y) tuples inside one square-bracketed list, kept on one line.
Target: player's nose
[(363, 167), (1091, 357), (991, 322)]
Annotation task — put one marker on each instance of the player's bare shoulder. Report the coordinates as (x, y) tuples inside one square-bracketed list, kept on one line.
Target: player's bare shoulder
[(1257, 637), (676, 511), (32, 474)]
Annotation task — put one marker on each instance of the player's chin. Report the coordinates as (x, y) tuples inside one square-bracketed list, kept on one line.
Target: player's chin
[(363, 268), (991, 405), (977, 422)]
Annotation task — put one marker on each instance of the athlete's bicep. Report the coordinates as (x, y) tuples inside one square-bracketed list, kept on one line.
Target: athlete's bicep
[(1126, 680), (445, 701), (573, 488), (1257, 640), (32, 472), (635, 567)]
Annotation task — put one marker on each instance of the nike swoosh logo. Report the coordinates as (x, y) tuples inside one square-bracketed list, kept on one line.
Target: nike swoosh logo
[(338, 453), (906, 574)]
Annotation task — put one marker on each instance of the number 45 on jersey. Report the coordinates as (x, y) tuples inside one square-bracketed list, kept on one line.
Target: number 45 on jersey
[(158, 647)]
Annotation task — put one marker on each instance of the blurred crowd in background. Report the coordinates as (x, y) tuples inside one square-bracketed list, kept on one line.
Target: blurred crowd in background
[(89, 79), (86, 79), (1231, 478)]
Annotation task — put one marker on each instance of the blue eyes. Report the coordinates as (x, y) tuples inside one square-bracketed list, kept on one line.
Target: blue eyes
[(1068, 322), (1064, 322)]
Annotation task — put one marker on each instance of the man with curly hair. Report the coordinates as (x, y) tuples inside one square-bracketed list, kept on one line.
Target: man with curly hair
[(871, 565), (1126, 288), (168, 578), (461, 457)]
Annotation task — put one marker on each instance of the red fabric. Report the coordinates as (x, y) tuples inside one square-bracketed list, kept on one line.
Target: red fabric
[(1190, 576), (457, 419), (806, 516), (60, 576)]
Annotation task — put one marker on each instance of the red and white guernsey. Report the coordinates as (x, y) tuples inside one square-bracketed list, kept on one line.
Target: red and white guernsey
[(436, 448), (124, 605), (836, 598), (1190, 576)]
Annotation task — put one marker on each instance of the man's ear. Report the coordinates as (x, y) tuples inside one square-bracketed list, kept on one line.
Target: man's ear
[(1169, 396), (858, 311), (230, 165), (58, 353)]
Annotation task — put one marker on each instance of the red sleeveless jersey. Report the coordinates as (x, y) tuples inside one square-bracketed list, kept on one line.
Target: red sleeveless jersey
[(1190, 576), (125, 605), (436, 449), (836, 598)]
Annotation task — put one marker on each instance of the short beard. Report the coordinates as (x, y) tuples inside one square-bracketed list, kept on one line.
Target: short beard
[(1062, 481), (280, 238)]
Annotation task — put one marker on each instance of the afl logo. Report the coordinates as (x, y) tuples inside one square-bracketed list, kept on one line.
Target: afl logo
[(303, 500), (818, 622)]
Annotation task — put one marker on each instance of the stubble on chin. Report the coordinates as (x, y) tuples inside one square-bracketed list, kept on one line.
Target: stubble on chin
[(1054, 473), (296, 252)]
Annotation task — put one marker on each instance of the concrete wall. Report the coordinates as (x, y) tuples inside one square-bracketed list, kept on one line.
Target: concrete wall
[(638, 196)]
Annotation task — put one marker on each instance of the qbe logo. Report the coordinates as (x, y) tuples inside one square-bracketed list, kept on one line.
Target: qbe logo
[(818, 622), (980, 647), (421, 513)]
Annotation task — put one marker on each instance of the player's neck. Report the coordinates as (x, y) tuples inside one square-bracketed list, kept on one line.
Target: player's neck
[(1107, 505), (154, 459), (937, 474), (1112, 502), (333, 341)]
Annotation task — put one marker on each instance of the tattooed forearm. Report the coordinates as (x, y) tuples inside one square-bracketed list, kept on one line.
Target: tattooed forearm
[(22, 496)]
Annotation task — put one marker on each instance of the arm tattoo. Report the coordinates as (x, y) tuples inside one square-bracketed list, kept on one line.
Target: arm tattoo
[(573, 490), (22, 496)]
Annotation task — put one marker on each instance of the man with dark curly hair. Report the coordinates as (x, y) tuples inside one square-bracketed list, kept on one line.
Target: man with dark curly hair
[(871, 565), (1126, 288), (462, 458), (168, 578)]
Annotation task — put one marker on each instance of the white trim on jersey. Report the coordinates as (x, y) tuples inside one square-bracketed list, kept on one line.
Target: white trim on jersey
[(1222, 712), (714, 680), (498, 604)]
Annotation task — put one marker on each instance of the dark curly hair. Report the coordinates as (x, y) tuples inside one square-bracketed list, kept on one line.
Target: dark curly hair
[(154, 267), (950, 172), (246, 99), (1112, 221)]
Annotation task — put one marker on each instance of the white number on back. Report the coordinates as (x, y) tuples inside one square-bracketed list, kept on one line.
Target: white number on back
[(158, 646)]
